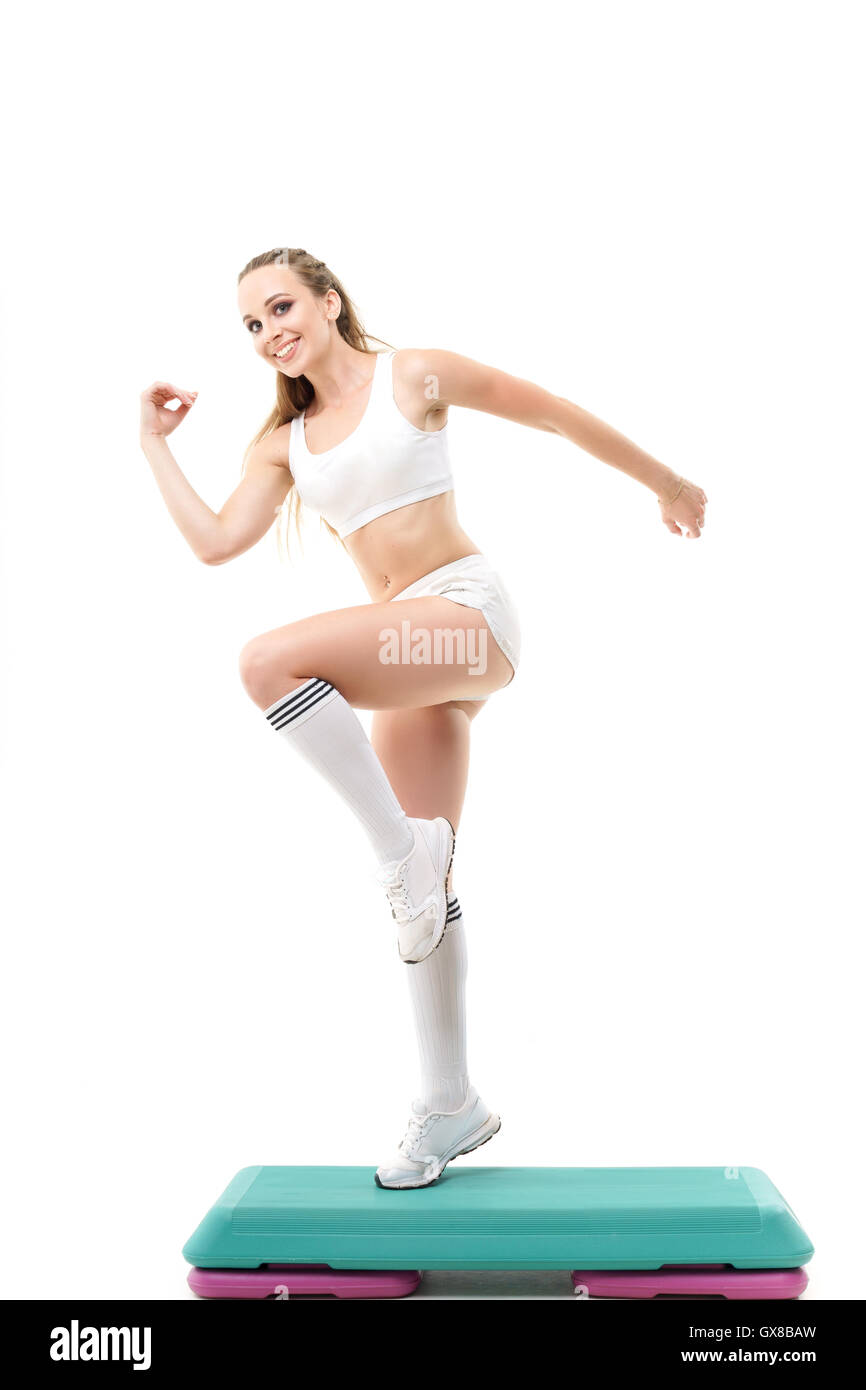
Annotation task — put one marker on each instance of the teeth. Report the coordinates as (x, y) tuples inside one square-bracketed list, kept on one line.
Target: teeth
[(283, 352)]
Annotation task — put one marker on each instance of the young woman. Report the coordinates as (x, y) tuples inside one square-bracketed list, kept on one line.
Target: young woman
[(360, 438)]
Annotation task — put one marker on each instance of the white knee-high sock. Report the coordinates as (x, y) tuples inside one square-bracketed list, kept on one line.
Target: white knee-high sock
[(437, 987), (321, 724)]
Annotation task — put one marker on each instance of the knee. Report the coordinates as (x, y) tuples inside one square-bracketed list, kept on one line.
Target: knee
[(256, 669)]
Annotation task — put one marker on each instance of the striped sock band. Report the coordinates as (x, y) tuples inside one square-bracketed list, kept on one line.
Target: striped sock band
[(300, 702), (454, 913)]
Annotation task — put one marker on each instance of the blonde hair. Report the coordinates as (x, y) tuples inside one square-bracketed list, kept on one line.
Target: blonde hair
[(295, 393)]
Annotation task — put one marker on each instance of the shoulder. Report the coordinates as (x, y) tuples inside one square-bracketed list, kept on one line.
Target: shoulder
[(413, 366), (418, 375)]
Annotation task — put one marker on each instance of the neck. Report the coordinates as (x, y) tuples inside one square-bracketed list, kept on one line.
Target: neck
[(337, 379)]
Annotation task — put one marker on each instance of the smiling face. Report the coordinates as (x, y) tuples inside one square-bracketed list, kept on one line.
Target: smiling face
[(288, 324)]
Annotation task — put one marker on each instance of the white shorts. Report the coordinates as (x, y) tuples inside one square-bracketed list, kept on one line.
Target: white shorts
[(472, 582)]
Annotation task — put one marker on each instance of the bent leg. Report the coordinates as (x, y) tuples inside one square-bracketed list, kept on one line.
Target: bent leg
[(404, 654), (307, 676)]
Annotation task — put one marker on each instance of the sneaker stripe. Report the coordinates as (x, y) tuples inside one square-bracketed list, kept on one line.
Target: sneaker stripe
[(454, 911)]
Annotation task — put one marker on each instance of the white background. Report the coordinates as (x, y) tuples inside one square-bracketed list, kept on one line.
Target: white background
[(652, 209)]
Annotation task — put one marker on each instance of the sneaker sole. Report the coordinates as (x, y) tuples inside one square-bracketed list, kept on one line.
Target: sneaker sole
[(445, 896), (401, 1187)]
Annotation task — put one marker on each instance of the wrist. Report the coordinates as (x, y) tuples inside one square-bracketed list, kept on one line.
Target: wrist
[(669, 488), (655, 475)]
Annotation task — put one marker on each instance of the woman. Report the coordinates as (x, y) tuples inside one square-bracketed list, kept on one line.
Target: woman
[(359, 437)]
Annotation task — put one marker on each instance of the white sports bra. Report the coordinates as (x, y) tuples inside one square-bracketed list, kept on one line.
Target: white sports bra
[(386, 462)]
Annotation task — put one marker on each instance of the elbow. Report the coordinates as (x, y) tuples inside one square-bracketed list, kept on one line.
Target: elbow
[(217, 549), (214, 556)]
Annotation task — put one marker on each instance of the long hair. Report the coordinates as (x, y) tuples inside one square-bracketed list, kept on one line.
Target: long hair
[(295, 393)]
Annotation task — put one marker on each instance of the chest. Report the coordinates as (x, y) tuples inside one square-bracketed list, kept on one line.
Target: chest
[(330, 426)]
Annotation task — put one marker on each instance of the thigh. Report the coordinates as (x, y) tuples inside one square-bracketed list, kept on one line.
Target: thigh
[(425, 754), (403, 654)]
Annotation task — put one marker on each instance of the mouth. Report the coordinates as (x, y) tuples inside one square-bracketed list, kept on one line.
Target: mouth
[(287, 350)]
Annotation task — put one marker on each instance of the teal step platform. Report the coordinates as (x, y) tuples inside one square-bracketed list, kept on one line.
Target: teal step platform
[(501, 1218)]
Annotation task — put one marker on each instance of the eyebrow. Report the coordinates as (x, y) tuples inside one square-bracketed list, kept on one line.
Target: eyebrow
[(279, 295)]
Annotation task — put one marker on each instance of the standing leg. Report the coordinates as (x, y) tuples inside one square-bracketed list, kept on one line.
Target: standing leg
[(425, 753)]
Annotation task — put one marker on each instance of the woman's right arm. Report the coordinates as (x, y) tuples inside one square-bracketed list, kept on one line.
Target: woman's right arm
[(249, 512)]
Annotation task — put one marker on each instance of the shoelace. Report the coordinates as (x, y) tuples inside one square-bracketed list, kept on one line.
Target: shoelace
[(416, 1129), (394, 883)]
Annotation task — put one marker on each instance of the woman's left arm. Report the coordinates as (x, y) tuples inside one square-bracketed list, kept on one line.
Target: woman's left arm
[(450, 379)]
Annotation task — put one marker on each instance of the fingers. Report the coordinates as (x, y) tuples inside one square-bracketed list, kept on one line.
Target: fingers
[(161, 392), (692, 529)]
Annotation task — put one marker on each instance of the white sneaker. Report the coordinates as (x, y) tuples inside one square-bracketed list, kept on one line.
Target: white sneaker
[(416, 888), (433, 1138)]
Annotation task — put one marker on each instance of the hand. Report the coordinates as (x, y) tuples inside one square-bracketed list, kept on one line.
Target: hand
[(687, 506), (156, 418)]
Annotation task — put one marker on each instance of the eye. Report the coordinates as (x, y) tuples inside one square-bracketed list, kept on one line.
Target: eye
[(254, 325)]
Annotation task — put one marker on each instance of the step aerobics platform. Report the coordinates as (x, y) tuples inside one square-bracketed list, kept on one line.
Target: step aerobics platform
[(282, 1230)]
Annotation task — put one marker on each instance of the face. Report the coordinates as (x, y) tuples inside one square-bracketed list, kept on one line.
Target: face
[(288, 324)]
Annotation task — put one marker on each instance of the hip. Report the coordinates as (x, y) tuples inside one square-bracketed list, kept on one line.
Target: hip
[(473, 582)]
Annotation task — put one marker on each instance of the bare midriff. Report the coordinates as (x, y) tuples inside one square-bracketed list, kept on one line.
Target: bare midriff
[(393, 551)]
